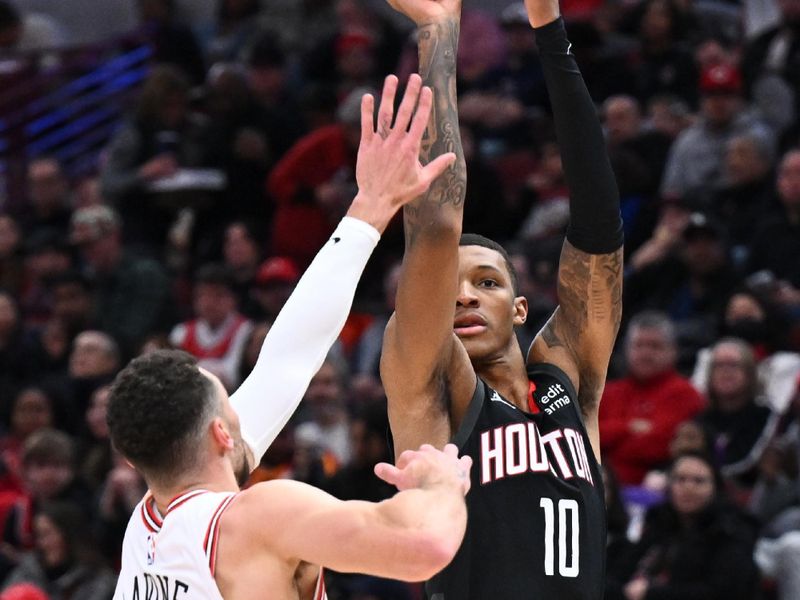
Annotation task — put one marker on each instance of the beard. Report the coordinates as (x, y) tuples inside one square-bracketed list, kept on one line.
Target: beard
[(241, 468)]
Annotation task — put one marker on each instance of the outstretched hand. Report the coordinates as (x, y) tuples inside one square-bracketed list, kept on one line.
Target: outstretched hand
[(427, 11), (388, 171), (428, 467)]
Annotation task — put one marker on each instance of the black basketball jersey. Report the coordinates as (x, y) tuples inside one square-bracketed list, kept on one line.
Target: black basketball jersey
[(537, 524)]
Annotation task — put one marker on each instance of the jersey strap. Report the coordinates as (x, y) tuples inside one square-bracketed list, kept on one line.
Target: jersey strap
[(212, 533), (153, 520), (319, 591)]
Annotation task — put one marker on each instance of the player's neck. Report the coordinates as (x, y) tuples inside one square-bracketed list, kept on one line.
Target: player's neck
[(507, 375), (214, 478)]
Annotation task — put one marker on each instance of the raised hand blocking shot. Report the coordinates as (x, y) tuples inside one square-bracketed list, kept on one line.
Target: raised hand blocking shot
[(194, 530)]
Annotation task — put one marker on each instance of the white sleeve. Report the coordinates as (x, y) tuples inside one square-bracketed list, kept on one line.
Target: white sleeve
[(302, 335)]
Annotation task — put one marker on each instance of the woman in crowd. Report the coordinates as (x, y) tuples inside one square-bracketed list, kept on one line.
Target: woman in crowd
[(696, 545)]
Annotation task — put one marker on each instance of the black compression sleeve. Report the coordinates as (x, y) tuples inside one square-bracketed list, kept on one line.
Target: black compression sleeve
[(595, 224)]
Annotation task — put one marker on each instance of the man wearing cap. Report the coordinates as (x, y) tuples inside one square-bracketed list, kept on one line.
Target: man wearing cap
[(274, 282), (696, 157), (132, 294)]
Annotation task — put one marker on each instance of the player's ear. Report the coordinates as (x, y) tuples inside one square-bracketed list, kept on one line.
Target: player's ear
[(220, 434), (520, 310)]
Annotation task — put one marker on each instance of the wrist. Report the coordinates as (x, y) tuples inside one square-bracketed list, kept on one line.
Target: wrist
[(371, 211)]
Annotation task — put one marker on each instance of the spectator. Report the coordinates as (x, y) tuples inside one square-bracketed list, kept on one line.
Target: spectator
[(96, 454), (618, 545), (744, 192), (274, 282), (356, 480), (11, 263), (691, 283), (664, 65), (119, 493), (750, 317), (740, 426), (31, 33), (161, 136), (639, 413), (313, 182), (31, 410), (634, 148), (778, 235), (770, 61), (236, 25), (173, 43), (14, 356), (73, 302), (696, 545), (241, 252), (218, 332), (241, 145), (696, 158), (329, 424), (132, 294), (48, 198), (48, 473), (46, 256), (65, 563), (668, 114)]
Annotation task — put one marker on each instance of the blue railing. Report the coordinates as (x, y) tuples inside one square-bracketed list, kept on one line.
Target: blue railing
[(68, 111)]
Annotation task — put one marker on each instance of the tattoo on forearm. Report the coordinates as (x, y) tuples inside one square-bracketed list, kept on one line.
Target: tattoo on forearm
[(438, 43)]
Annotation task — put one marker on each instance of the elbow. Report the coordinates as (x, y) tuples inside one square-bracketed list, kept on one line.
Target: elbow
[(432, 550)]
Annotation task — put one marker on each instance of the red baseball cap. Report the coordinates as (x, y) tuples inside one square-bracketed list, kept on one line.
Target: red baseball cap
[(24, 591), (720, 79), (277, 269)]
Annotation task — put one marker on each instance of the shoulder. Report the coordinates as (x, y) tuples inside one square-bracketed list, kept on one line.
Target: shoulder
[(550, 380)]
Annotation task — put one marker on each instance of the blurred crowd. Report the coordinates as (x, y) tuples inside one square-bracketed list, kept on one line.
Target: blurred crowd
[(234, 165)]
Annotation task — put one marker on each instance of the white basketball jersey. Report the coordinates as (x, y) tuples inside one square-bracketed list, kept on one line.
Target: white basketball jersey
[(173, 557)]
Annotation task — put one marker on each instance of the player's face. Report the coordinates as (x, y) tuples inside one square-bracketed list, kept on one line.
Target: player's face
[(691, 485), (238, 455), (486, 308)]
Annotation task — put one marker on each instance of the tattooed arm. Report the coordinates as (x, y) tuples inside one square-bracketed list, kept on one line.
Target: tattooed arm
[(419, 345), (580, 335)]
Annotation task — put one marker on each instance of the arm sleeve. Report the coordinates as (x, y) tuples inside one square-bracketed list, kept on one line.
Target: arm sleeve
[(595, 222), (302, 335)]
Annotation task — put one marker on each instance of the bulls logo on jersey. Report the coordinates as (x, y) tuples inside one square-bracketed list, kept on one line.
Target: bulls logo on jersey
[(151, 549)]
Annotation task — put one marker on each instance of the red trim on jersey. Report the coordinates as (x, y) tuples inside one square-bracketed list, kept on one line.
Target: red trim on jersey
[(145, 518), (532, 406), (212, 533), (319, 591), (181, 499)]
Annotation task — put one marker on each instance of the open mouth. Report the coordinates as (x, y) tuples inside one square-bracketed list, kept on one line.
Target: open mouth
[(471, 324)]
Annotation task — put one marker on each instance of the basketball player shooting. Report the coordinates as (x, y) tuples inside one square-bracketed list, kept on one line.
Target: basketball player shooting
[(451, 365), (195, 535)]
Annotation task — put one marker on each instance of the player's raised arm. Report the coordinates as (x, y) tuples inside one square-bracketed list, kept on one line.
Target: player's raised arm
[(389, 174), (410, 537), (579, 337), (419, 342)]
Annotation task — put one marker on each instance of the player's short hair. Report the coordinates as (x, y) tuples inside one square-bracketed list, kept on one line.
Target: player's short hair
[(158, 411), (475, 239)]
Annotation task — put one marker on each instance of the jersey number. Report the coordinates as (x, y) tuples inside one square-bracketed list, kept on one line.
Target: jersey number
[(568, 564)]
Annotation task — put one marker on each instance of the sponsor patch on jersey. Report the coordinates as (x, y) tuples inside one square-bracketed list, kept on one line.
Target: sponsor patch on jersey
[(553, 398)]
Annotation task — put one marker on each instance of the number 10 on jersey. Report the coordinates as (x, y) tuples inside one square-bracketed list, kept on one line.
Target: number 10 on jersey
[(568, 550)]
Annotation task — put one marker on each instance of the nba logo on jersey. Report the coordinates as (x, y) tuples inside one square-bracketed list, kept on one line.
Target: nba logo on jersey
[(151, 550)]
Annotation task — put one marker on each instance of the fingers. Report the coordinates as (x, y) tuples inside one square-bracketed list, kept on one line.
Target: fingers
[(388, 473), (405, 458), (422, 115), (367, 113), (408, 103), (451, 450), (435, 168), (386, 109)]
